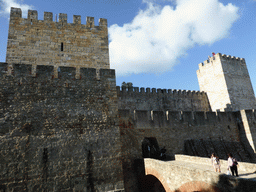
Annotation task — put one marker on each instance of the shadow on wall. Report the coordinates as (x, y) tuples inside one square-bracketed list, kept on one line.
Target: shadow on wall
[(3, 188), (204, 148), (151, 149), (246, 124), (89, 171)]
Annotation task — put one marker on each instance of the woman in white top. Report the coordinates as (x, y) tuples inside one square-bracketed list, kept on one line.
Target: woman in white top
[(215, 162)]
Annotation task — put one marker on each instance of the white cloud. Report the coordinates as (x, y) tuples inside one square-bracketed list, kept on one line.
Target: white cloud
[(158, 36), (5, 6)]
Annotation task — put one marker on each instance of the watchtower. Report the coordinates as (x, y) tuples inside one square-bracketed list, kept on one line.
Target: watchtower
[(57, 43), (227, 83)]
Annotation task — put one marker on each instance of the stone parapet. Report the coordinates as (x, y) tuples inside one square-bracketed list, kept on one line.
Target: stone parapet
[(223, 57), (185, 176), (243, 166), (48, 16), (144, 119), (136, 98), (131, 90), (50, 72)]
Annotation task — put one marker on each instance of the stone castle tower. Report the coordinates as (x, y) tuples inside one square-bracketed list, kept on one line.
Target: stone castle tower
[(48, 42), (227, 83), (65, 128)]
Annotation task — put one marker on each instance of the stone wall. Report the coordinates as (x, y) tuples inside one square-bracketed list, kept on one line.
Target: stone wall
[(243, 166), (247, 126), (183, 175), (59, 134), (64, 125), (170, 129), (134, 98), (238, 83), (227, 83), (45, 42), (179, 177)]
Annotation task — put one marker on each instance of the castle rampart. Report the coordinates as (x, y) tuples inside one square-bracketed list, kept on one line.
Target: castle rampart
[(208, 132), (164, 119), (45, 42), (188, 173), (59, 133), (48, 72), (135, 98)]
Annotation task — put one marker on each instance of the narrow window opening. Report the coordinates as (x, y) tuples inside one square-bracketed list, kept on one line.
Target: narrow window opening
[(61, 48), (45, 164), (31, 22), (45, 155), (180, 114)]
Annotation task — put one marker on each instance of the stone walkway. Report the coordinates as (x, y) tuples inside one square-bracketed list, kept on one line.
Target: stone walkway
[(242, 174)]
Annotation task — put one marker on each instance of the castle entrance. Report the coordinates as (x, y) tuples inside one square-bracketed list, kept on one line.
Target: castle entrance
[(150, 148), (150, 183)]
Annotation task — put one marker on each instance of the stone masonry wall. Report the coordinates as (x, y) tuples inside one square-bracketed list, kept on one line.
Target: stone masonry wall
[(170, 129), (238, 83), (211, 80), (247, 126), (185, 175), (45, 42), (227, 83), (59, 134), (161, 99)]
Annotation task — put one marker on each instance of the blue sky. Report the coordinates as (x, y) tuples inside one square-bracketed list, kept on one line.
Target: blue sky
[(159, 44)]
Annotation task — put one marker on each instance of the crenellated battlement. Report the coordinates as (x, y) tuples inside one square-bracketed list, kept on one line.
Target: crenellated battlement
[(44, 72), (228, 57), (136, 98), (221, 57), (145, 119), (16, 13), (136, 90)]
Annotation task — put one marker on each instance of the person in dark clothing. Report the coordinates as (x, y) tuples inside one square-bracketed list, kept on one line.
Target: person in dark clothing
[(232, 164), (162, 153)]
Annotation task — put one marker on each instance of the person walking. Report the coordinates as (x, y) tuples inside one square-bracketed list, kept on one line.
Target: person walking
[(215, 163), (232, 164)]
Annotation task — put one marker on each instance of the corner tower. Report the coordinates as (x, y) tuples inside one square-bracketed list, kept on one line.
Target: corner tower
[(227, 83), (57, 43)]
